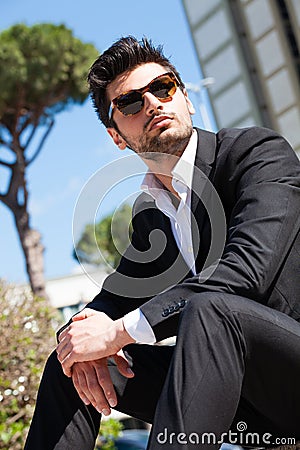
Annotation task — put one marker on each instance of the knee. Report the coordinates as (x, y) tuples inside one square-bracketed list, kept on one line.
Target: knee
[(214, 314), (216, 305), (53, 367)]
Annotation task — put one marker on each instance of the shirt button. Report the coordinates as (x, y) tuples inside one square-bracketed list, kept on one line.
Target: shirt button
[(190, 249)]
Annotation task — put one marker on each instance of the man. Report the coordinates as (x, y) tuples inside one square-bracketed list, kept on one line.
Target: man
[(223, 280)]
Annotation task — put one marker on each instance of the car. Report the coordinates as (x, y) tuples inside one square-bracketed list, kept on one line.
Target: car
[(137, 439), (132, 440)]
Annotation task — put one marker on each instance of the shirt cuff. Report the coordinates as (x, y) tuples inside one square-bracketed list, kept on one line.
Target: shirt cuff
[(137, 326)]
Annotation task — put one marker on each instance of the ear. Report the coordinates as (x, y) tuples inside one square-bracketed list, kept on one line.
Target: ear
[(118, 140), (189, 103)]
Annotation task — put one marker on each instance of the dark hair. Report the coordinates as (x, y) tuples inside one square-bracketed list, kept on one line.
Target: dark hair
[(125, 54)]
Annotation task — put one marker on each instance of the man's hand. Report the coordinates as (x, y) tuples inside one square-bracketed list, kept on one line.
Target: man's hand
[(93, 382), (91, 336)]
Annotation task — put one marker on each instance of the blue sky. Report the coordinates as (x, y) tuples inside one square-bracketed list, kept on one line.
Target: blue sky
[(79, 145)]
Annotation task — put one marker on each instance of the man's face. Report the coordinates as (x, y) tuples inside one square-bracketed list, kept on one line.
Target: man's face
[(161, 127)]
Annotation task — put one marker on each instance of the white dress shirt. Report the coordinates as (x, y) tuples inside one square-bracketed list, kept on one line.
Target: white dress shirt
[(135, 322)]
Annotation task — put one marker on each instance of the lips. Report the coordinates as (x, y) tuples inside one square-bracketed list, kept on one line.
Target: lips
[(159, 122)]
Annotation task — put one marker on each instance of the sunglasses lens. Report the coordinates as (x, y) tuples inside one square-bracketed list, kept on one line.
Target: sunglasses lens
[(163, 88), (130, 103)]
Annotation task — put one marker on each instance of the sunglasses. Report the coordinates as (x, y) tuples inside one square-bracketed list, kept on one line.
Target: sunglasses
[(162, 87)]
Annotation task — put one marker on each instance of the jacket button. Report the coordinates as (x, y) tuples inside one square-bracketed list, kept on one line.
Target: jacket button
[(165, 313)]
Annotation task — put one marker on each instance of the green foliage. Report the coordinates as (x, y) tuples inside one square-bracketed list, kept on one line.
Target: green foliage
[(27, 337), (106, 240), (109, 430), (43, 69)]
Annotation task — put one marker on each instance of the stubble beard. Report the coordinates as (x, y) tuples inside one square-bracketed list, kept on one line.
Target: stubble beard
[(158, 147), (164, 144)]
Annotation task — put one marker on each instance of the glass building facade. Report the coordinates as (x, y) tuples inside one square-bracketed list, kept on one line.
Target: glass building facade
[(252, 50)]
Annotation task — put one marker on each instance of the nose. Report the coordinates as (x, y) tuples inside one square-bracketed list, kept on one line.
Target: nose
[(151, 104)]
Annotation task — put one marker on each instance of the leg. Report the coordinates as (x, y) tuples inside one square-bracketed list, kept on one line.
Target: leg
[(234, 360), (138, 396), (61, 420)]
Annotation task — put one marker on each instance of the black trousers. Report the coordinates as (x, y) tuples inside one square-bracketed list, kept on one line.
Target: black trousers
[(233, 376)]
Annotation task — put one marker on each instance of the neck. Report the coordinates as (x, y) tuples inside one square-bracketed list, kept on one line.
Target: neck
[(163, 171), (163, 165), (167, 182)]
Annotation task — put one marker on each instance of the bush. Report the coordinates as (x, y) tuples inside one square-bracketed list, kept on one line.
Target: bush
[(27, 336), (109, 430)]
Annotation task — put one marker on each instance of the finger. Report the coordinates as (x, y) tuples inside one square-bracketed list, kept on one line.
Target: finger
[(78, 317), (63, 334), (87, 385), (91, 387), (60, 331), (65, 356), (86, 312), (104, 380), (67, 364), (81, 315), (123, 365), (61, 349), (80, 384)]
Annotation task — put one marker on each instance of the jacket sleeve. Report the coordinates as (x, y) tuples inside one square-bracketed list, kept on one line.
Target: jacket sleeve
[(144, 270), (263, 174), (110, 300)]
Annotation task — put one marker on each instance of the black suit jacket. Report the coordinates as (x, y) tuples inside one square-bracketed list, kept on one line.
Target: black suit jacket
[(256, 175)]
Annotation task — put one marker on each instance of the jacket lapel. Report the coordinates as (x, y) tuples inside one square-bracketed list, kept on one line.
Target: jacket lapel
[(205, 157), (204, 163)]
